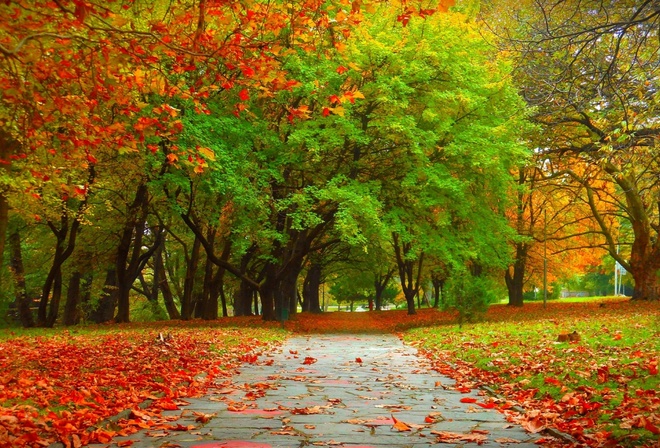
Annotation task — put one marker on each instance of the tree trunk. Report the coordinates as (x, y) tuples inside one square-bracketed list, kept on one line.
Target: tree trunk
[(647, 286), (289, 286), (311, 287), (16, 263), (269, 307), (515, 280), (164, 286), (55, 300), (130, 256), (410, 279), (189, 283), (438, 283), (105, 309), (73, 301), (223, 297)]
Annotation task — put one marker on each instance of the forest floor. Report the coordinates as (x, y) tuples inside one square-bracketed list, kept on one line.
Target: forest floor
[(599, 383)]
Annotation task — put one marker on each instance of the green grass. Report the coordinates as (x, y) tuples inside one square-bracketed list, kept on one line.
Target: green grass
[(612, 365)]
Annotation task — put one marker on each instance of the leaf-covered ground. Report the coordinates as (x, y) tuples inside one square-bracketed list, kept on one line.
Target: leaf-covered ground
[(603, 389), (56, 385)]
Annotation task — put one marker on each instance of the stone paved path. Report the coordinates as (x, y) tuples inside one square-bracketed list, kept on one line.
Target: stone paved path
[(315, 392)]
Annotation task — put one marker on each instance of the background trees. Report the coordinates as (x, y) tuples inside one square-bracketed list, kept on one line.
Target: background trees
[(590, 70), (204, 157)]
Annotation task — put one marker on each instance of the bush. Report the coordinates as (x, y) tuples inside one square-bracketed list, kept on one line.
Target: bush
[(470, 296)]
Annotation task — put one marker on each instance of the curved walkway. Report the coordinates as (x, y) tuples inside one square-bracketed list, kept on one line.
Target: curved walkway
[(351, 391)]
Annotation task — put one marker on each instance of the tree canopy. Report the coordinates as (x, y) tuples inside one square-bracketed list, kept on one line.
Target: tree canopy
[(192, 158)]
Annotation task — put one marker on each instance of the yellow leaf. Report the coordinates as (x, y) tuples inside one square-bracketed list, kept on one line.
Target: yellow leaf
[(358, 94), (339, 110), (207, 153)]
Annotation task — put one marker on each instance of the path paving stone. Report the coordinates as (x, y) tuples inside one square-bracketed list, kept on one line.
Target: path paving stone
[(336, 391)]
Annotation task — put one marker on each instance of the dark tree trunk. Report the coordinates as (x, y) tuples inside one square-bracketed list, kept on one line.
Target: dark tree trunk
[(647, 286), (243, 297), (289, 287), (311, 287), (46, 316), (105, 309), (438, 284), (269, 308), (255, 302), (157, 268), (130, 256), (515, 280), (73, 300), (380, 284), (409, 278), (55, 300), (218, 287), (164, 286), (223, 297), (18, 273), (189, 283)]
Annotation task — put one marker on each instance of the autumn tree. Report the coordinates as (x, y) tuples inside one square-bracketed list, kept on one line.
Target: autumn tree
[(590, 69)]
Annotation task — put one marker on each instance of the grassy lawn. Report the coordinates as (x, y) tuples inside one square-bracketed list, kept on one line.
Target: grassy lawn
[(603, 388)]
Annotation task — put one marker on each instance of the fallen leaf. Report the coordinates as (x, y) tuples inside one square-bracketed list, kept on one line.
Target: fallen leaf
[(454, 437), (400, 426)]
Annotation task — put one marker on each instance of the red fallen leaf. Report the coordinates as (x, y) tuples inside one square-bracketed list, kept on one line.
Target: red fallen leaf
[(652, 367), (309, 360), (244, 95), (341, 69), (126, 443), (468, 400), (166, 405), (651, 427), (326, 111), (358, 360), (102, 436), (293, 352), (490, 405), (550, 380)]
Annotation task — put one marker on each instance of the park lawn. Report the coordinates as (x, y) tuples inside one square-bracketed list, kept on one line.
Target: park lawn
[(603, 389), (55, 384)]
